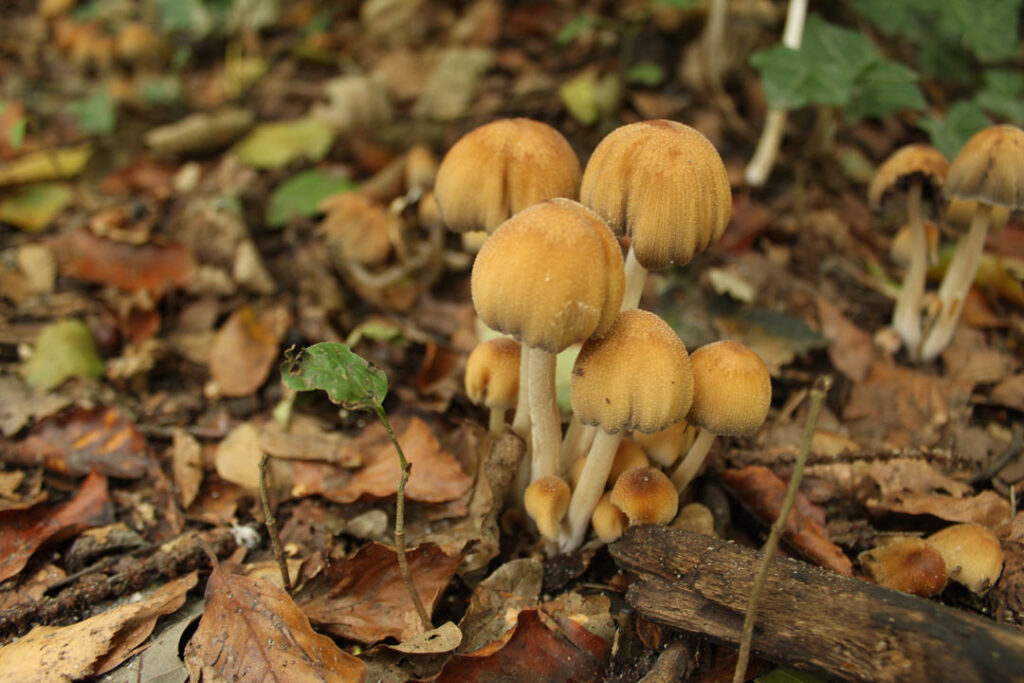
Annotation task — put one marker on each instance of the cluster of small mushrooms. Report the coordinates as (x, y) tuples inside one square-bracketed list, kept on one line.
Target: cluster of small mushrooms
[(551, 274), (983, 184)]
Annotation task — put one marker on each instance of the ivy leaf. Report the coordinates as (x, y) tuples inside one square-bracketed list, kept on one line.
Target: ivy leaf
[(828, 43), (1003, 94), (95, 114), (301, 195), (949, 134), (349, 380), (989, 27), (882, 88), (576, 26), (792, 81)]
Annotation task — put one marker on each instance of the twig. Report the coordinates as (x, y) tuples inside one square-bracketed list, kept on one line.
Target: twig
[(403, 562), (818, 392), (271, 522)]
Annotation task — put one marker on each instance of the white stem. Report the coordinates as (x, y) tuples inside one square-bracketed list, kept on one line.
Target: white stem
[(570, 445), (687, 469), (713, 39), (957, 283), (521, 421), (547, 427), (796, 17), (636, 276), (497, 421), (589, 489), (906, 315)]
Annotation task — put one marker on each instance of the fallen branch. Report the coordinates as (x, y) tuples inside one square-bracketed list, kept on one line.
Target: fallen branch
[(809, 617)]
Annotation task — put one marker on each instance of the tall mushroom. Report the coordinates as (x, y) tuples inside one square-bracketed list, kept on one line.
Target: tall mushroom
[(732, 391), (636, 377), (916, 167), (664, 184), (989, 170), (550, 276)]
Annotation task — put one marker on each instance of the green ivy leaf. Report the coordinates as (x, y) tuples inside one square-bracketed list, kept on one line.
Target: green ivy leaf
[(576, 26), (792, 81), (989, 27), (645, 73), (827, 43), (949, 134), (301, 195), (882, 88), (349, 380), (94, 115), (1003, 94), (64, 349)]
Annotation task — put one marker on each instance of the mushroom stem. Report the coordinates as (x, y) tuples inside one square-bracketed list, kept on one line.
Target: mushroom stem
[(957, 283), (636, 276), (687, 469), (497, 421), (578, 438), (547, 428), (589, 489), (521, 421), (906, 315)]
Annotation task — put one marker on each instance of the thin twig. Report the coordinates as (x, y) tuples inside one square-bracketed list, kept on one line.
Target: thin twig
[(818, 392), (271, 522), (403, 562)]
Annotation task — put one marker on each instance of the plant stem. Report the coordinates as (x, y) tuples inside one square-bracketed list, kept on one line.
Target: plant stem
[(818, 393), (403, 562), (271, 522)]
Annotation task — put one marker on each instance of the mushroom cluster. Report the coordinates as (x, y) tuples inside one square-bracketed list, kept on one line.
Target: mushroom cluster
[(551, 274)]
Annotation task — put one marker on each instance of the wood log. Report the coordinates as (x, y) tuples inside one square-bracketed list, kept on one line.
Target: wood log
[(811, 618)]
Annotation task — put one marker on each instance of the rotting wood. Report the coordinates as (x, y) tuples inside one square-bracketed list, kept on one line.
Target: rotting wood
[(811, 618)]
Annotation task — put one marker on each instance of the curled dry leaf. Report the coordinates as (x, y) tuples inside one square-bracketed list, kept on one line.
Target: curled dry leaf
[(851, 349), (497, 600), (23, 531), (761, 491), (186, 466), (252, 630), (245, 348), (988, 508), (892, 477)]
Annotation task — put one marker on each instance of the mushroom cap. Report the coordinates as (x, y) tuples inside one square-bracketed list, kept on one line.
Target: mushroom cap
[(665, 185), (420, 168), (501, 168), (695, 517), (732, 389), (627, 456), (635, 377), (990, 168), (906, 564), (960, 211), (358, 229), (665, 446), (646, 496), (546, 501), (492, 373), (608, 521), (550, 276), (972, 555), (917, 160)]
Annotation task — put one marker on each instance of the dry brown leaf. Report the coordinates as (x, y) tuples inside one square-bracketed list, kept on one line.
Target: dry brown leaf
[(251, 630), (851, 349), (31, 588), (892, 477), (94, 645), (80, 440), (218, 501), (988, 508), (761, 491), (497, 600), (186, 466), (245, 348), (23, 531), (1010, 392), (364, 598), (435, 477), (970, 359), (305, 439), (143, 175)]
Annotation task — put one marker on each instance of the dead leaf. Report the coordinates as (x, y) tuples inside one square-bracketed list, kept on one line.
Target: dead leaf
[(186, 466), (22, 532), (80, 440), (19, 403), (94, 645), (970, 359), (761, 491), (892, 477), (306, 439), (238, 457), (31, 588), (497, 601), (218, 502), (245, 348), (1010, 392), (144, 175), (851, 349), (444, 638), (988, 508), (364, 598), (252, 630)]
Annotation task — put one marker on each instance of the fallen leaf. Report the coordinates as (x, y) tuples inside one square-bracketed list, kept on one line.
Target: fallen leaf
[(46, 164), (33, 207), (144, 176), (892, 477), (22, 532), (81, 440), (761, 491), (63, 350), (160, 661), (252, 630), (851, 349), (453, 83), (988, 508), (245, 348), (969, 359), (444, 638), (1010, 392), (19, 404), (364, 597), (497, 601), (277, 144), (186, 466), (306, 439), (238, 457), (31, 588), (200, 133), (300, 196), (777, 337)]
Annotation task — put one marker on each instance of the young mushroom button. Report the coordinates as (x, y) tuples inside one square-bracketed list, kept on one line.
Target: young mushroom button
[(492, 378)]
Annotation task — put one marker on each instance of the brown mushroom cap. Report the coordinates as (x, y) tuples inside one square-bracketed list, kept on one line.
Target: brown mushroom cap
[(550, 276), (646, 496), (420, 169), (358, 229), (492, 373), (635, 377), (546, 501), (501, 168), (695, 517), (608, 521), (628, 456), (921, 161), (665, 185), (665, 446), (732, 389), (972, 554), (906, 564), (959, 213), (990, 168)]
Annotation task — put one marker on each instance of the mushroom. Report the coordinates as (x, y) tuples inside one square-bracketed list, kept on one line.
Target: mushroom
[(663, 184), (972, 554), (636, 377), (550, 276), (646, 496), (492, 378), (915, 166), (907, 564), (546, 501), (695, 517), (732, 392), (627, 456), (608, 521), (989, 170), (665, 446), (358, 230)]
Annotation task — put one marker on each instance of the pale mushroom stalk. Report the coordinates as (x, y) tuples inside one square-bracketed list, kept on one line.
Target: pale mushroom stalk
[(636, 276), (906, 315), (546, 426), (695, 457), (760, 166), (573, 443), (496, 421), (521, 420), (589, 489), (957, 283)]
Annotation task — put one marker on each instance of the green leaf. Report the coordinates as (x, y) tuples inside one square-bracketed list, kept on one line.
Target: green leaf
[(349, 380), (277, 144), (792, 81), (64, 349), (576, 26), (33, 207), (95, 114), (827, 43), (883, 88), (301, 195), (989, 27), (645, 73), (1003, 94), (949, 134)]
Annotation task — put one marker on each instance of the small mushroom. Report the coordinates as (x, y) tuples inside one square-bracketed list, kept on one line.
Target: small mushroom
[(358, 230), (907, 564), (608, 521), (695, 517), (492, 378), (665, 446), (646, 496), (546, 501), (627, 456), (972, 554)]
